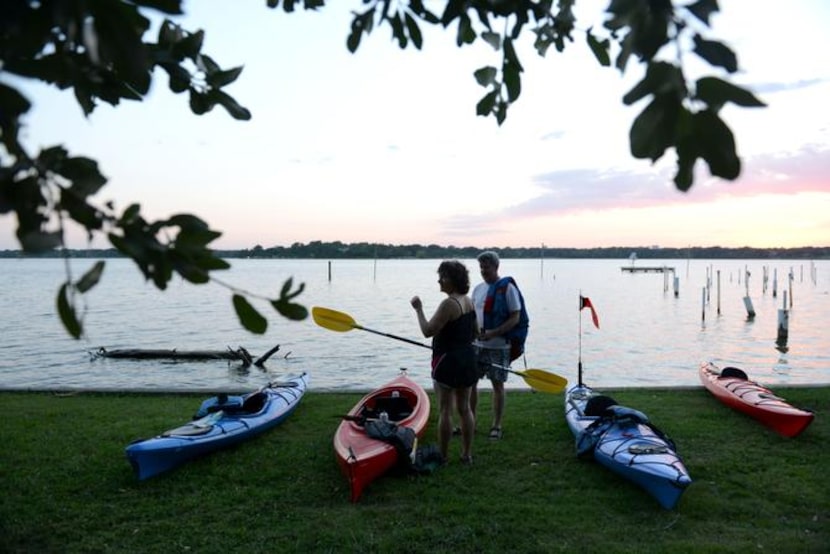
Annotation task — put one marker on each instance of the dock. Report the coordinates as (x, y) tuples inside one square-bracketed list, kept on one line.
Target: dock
[(647, 269)]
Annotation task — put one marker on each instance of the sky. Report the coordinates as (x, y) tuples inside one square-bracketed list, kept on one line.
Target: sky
[(384, 145)]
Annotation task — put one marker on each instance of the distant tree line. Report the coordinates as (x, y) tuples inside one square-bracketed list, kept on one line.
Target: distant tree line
[(370, 250)]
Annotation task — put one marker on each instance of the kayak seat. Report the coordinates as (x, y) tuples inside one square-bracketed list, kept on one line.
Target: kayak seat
[(598, 405), (396, 407), (187, 431), (643, 448), (734, 372), (220, 402), (254, 403), (195, 428)]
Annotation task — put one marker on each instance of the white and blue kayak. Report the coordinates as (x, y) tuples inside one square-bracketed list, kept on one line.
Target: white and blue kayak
[(221, 421), (623, 440)]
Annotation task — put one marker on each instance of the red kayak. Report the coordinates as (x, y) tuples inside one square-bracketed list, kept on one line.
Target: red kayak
[(362, 458), (732, 387)]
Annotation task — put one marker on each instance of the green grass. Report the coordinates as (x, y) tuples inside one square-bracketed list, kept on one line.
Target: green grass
[(67, 487)]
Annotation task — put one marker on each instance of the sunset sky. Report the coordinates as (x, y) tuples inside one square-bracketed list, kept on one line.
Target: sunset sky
[(384, 145)]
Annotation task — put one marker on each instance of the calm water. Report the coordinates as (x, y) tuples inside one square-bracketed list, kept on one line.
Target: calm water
[(648, 336)]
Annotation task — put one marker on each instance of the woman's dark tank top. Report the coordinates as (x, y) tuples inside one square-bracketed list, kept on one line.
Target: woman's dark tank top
[(458, 332)]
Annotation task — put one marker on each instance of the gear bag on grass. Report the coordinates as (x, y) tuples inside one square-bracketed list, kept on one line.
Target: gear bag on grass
[(411, 457)]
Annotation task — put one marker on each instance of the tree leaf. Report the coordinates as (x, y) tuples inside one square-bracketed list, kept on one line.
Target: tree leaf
[(687, 151), (236, 111), (169, 34), (179, 77), (189, 46), (79, 210), (486, 76), (295, 312), (199, 103), (716, 53), (206, 64), (35, 240), (599, 48), (493, 39), (218, 79), (84, 174), (717, 145), (684, 178), (510, 56), (511, 69), (500, 110), (513, 82), (414, 32), (249, 317), (466, 33), (191, 272), (172, 7), (90, 278), (702, 9), (660, 78), (186, 221), (397, 25), (13, 103), (654, 129), (286, 294), (67, 312), (716, 93), (486, 104), (362, 23)]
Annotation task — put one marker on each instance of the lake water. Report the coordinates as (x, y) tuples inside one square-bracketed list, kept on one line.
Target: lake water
[(648, 336)]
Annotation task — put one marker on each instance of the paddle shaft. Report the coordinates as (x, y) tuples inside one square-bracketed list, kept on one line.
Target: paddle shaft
[(416, 343), (342, 322)]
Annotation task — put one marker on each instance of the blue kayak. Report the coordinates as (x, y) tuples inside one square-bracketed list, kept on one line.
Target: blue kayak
[(623, 440), (222, 421)]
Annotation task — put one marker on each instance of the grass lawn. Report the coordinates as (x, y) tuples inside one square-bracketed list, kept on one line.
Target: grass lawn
[(67, 486)]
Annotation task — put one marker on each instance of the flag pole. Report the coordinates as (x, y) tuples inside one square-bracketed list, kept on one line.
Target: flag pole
[(579, 362)]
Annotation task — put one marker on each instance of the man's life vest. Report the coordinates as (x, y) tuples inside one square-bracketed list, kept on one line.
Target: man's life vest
[(496, 313)]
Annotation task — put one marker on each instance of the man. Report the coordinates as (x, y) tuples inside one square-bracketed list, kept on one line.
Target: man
[(502, 319)]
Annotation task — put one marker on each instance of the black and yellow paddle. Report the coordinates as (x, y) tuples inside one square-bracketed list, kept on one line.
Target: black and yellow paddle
[(538, 379)]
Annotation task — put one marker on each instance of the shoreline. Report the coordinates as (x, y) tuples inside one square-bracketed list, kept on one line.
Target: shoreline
[(241, 390)]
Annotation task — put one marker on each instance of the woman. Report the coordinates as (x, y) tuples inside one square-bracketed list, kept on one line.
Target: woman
[(453, 328)]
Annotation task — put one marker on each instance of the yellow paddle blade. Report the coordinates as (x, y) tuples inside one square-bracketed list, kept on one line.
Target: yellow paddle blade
[(543, 381), (333, 320)]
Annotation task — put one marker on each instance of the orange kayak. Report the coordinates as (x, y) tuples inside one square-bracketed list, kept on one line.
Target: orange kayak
[(363, 459), (732, 387)]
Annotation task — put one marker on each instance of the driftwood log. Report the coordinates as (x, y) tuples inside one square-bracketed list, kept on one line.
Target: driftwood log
[(240, 354)]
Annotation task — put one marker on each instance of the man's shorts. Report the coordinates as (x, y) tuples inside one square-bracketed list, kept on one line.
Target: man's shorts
[(488, 359)]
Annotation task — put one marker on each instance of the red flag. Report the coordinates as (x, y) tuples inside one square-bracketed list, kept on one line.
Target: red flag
[(585, 302)]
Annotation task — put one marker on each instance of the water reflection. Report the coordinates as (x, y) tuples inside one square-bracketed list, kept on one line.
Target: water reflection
[(649, 337)]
